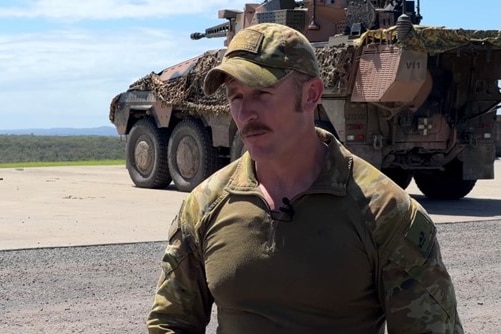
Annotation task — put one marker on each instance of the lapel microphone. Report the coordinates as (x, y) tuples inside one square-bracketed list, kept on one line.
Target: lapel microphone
[(287, 207)]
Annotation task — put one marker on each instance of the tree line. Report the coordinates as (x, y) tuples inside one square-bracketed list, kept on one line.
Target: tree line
[(32, 148)]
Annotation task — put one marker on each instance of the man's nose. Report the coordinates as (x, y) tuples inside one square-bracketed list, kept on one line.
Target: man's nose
[(246, 111)]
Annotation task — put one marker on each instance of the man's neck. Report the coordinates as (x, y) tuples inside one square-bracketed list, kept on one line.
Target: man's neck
[(291, 174)]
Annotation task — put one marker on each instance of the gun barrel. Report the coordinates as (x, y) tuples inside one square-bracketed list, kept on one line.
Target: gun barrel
[(218, 34), (220, 30), (197, 35)]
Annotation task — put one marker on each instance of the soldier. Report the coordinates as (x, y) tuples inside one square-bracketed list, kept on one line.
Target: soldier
[(299, 235)]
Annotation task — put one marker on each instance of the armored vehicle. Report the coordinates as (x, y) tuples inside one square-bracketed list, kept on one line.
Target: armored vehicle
[(415, 101)]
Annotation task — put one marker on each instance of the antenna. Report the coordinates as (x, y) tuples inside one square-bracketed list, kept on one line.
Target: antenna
[(313, 24)]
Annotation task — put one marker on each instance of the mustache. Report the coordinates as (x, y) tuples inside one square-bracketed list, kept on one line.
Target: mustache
[(252, 128)]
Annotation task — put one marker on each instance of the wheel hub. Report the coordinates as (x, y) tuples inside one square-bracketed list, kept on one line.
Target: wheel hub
[(188, 158), (143, 156)]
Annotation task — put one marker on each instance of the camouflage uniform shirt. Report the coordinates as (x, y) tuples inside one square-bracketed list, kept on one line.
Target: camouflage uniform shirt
[(358, 251)]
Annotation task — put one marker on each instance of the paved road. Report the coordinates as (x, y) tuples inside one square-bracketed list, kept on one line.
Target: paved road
[(107, 285), (69, 206)]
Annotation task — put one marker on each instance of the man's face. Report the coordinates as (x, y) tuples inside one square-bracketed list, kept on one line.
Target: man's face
[(271, 120)]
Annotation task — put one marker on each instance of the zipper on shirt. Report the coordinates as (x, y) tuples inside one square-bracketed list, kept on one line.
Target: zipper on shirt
[(271, 241), (274, 218)]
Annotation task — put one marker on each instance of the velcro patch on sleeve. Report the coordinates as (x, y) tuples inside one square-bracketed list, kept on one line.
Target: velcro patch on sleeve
[(421, 233)]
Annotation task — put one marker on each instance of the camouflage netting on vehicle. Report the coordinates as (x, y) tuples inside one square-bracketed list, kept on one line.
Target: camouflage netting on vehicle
[(435, 39), (335, 66), (336, 61), (113, 108), (185, 92)]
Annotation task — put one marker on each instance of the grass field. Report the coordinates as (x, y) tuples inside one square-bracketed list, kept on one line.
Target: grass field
[(42, 151)]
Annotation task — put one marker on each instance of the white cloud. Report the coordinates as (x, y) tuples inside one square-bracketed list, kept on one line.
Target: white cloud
[(68, 77), (111, 9), (69, 53)]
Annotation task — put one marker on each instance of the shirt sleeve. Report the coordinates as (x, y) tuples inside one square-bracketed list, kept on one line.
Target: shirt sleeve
[(182, 301), (419, 294)]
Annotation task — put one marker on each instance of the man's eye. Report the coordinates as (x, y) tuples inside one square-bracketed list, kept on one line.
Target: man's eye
[(263, 93)]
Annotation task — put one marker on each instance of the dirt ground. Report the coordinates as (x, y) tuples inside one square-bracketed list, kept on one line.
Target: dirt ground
[(80, 250)]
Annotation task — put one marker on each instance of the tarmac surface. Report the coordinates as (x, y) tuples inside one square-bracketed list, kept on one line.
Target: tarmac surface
[(70, 206), (48, 285)]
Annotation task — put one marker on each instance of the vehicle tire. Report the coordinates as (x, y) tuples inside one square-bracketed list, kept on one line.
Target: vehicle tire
[(146, 155), (400, 176), (237, 147), (444, 185), (191, 156)]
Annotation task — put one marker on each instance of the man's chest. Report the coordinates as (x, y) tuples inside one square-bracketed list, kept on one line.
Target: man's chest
[(320, 258)]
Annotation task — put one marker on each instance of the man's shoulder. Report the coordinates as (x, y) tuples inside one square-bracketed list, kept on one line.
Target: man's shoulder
[(385, 205), (373, 182), (393, 216), (211, 189)]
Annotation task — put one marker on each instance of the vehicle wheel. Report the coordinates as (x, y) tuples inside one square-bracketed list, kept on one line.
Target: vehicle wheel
[(237, 148), (192, 158), (444, 185), (400, 176), (146, 155)]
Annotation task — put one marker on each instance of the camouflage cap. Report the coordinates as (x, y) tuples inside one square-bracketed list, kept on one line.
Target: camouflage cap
[(262, 54)]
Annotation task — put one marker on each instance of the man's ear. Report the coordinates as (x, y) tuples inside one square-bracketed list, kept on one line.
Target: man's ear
[(314, 89)]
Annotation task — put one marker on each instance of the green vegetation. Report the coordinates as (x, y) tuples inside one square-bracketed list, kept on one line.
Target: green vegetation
[(37, 151)]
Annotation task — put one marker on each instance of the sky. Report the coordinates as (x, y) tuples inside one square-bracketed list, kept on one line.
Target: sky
[(62, 61)]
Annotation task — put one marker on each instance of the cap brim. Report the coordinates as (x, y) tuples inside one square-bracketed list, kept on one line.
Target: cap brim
[(249, 73)]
